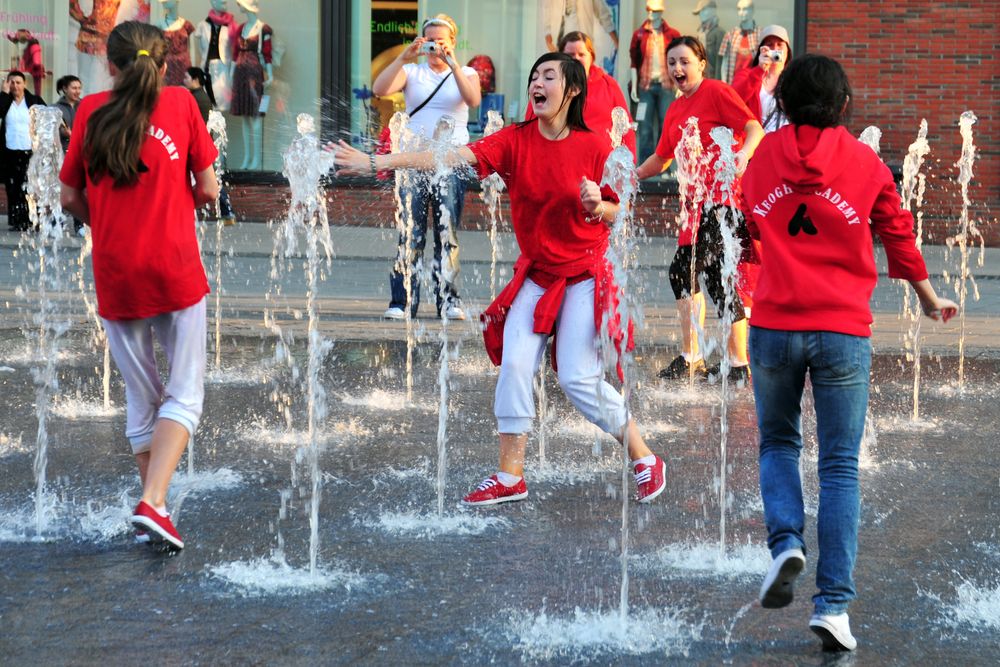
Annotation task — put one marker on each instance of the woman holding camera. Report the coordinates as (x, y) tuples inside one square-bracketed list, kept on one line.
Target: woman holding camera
[(433, 89), (756, 84)]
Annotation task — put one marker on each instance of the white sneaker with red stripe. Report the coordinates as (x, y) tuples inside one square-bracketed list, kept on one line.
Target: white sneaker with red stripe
[(650, 480), (491, 491)]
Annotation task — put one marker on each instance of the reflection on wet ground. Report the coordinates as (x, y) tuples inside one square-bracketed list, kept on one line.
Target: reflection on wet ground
[(536, 581)]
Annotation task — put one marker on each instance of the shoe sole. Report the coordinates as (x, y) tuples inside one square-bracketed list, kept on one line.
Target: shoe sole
[(156, 534), (651, 497), (781, 592), (829, 639), (497, 501)]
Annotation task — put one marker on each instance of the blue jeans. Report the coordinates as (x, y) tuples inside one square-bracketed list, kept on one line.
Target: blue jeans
[(838, 366), (447, 195), (657, 99)]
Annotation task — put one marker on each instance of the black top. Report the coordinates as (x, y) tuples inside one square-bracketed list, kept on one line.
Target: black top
[(204, 104), (6, 99)]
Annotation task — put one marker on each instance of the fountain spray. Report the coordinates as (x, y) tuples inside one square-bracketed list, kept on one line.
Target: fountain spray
[(217, 129), (914, 184), (45, 212), (967, 230), (401, 137), (493, 186)]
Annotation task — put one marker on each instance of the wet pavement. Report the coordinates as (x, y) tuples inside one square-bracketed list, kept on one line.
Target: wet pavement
[(538, 581)]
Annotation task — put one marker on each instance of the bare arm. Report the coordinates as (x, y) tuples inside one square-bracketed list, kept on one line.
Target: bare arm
[(206, 187), (349, 161), (393, 78), (754, 133), (74, 202), (653, 165), (933, 306)]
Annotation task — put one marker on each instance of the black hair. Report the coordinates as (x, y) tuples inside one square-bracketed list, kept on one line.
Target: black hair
[(692, 43), (574, 76), (814, 90), (64, 81), (16, 72), (198, 74)]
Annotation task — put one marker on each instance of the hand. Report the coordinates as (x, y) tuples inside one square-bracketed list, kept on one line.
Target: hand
[(943, 309), (764, 57), (348, 160), (445, 49), (633, 94), (741, 162), (5, 87), (413, 50), (590, 196)]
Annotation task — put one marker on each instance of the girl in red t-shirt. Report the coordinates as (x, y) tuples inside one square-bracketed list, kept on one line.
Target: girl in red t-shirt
[(127, 174), (714, 104), (562, 284)]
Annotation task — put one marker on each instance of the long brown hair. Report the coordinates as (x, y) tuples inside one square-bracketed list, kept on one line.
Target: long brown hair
[(117, 130)]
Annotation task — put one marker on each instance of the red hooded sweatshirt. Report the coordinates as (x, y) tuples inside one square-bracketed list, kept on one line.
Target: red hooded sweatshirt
[(814, 197)]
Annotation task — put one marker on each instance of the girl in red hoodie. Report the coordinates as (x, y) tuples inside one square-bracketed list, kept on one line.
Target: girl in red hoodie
[(562, 283), (814, 196), (714, 104)]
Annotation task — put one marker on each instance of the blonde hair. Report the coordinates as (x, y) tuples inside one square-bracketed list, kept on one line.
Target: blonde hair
[(442, 20)]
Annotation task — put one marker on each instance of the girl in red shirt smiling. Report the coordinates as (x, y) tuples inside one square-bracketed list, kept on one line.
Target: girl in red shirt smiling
[(127, 174), (562, 284), (714, 104)]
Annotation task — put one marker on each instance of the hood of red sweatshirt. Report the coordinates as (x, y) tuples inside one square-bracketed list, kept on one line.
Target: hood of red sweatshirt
[(811, 158)]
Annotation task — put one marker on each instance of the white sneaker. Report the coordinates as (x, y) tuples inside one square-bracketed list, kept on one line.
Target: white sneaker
[(778, 588), (394, 314), (454, 313), (834, 631)]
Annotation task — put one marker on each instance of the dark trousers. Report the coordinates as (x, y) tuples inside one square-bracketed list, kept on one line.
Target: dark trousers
[(15, 174)]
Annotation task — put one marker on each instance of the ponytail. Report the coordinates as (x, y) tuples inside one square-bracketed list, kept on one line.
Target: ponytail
[(116, 131)]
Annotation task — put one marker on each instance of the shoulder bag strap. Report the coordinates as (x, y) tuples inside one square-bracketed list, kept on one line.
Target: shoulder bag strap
[(429, 97)]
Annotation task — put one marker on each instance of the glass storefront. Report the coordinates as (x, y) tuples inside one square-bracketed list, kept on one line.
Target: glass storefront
[(68, 37)]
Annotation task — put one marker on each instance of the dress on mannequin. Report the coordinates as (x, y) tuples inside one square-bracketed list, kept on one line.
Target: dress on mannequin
[(215, 35), (178, 50), (92, 41), (251, 70)]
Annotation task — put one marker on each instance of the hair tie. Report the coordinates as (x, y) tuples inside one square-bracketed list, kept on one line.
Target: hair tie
[(141, 52)]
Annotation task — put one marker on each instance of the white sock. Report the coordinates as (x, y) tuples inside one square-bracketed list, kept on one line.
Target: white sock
[(688, 357), (645, 460), (738, 364), (507, 479)]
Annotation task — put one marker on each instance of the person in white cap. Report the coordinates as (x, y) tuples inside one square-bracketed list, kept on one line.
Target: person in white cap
[(756, 84)]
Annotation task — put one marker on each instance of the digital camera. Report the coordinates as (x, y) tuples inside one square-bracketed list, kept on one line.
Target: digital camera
[(774, 55), (429, 47)]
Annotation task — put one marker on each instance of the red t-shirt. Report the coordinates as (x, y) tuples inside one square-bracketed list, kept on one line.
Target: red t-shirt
[(714, 104), (146, 258), (814, 197), (603, 95), (543, 179)]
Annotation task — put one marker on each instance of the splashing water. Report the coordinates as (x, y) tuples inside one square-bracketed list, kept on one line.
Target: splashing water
[(217, 129), (967, 231), (725, 170), (305, 163), (274, 576), (492, 188), (871, 136), (692, 174), (914, 184), (620, 175), (45, 211), (401, 139)]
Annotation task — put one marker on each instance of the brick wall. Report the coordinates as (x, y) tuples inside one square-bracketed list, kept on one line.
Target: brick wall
[(928, 59)]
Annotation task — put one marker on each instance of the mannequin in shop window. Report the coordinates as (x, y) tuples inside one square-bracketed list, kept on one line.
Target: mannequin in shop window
[(251, 74), (650, 84), (739, 46), (177, 31), (214, 37), (31, 58), (710, 35)]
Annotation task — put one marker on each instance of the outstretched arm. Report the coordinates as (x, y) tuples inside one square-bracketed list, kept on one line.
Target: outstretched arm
[(349, 161), (933, 306)]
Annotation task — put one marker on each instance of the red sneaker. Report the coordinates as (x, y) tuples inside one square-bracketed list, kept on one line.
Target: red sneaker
[(650, 480), (491, 491), (158, 528)]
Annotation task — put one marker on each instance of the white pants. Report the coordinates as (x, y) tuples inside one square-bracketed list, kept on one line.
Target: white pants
[(581, 372), (182, 336)]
